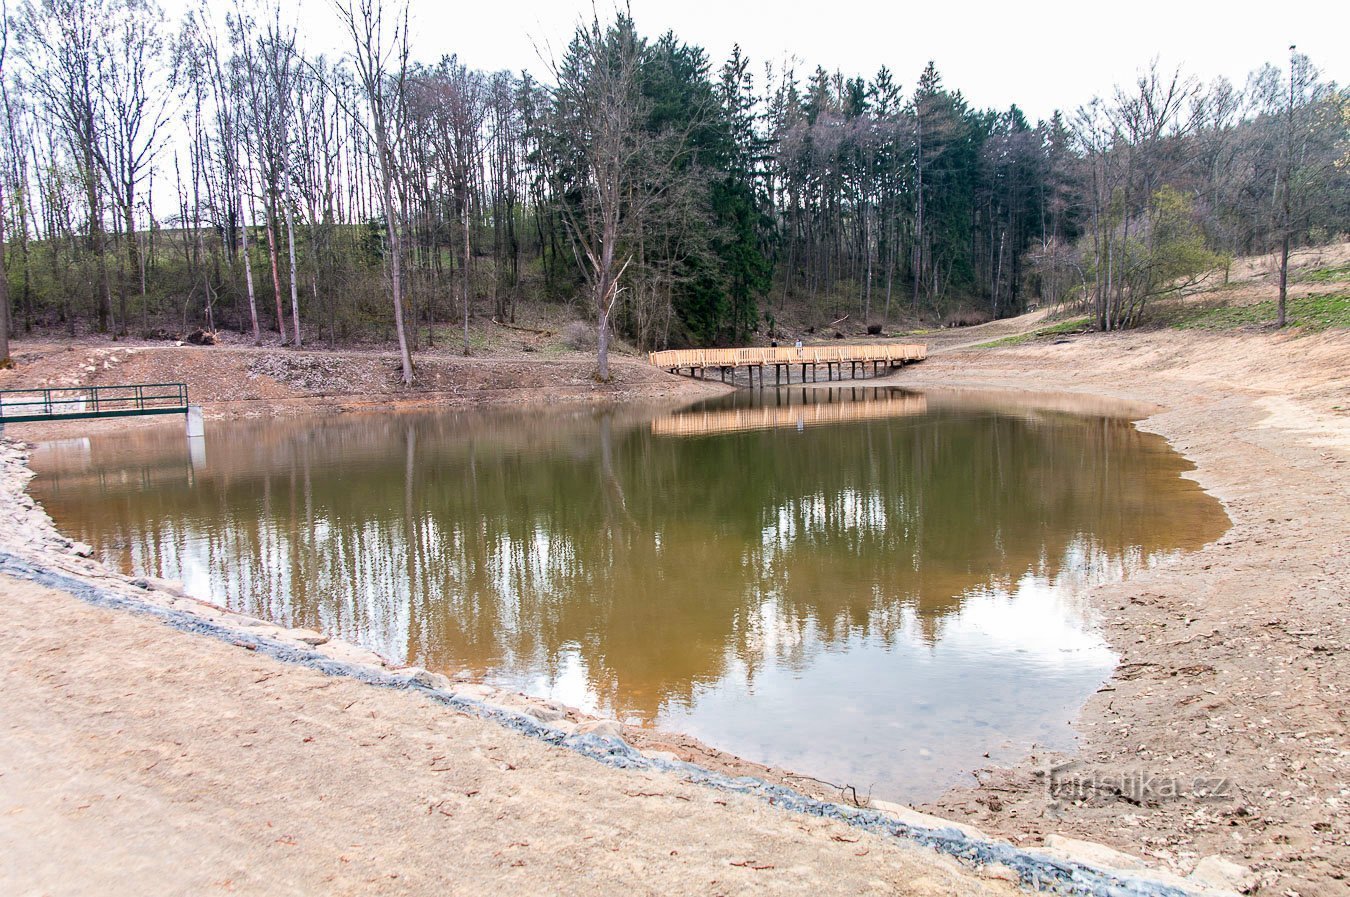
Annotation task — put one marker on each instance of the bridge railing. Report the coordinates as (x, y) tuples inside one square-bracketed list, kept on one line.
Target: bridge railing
[(768, 417), (82, 402), (892, 353)]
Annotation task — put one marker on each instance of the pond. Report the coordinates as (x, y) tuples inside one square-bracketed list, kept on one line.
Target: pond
[(867, 585)]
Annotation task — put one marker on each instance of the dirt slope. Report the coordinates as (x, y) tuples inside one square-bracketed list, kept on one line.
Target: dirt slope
[(243, 381), (136, 759), (1233, 659)]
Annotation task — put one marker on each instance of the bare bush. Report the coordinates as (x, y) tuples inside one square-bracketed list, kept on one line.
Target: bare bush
[(965, 317), (580, 336)]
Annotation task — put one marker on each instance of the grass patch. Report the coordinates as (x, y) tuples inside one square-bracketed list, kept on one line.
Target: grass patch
[(1312, 313), (1073, 325), (1326, 275)]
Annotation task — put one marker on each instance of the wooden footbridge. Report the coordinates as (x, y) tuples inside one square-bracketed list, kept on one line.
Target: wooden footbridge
[(879, 358)]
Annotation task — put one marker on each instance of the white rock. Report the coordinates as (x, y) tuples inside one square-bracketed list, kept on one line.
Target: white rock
[(474, 690), (605, 728), (345, 652), (1217, 872), (1092, 853), (667, 756), (424, 677), (545, 714), (309, 637), (913, 817), (565, 726), (1000, 872)]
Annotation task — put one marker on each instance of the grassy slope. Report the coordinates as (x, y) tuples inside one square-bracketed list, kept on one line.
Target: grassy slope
[(1319, 299)]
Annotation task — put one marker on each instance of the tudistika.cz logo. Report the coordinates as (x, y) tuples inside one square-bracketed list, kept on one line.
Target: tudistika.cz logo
[(1073, 782)]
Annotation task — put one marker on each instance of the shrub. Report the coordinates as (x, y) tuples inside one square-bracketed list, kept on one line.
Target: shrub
[(580, 336), (964, 317)]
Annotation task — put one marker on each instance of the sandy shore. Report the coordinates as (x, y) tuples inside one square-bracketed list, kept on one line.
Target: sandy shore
[(136, 759), (1233, 668)]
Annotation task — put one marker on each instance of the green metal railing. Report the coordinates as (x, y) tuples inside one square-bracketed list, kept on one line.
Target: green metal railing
[(83, 402)]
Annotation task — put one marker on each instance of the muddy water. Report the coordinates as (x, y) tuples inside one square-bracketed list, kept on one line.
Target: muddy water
[(874, 587)]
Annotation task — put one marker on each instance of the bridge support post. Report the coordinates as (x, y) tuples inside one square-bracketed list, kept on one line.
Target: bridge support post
[(196, 427)]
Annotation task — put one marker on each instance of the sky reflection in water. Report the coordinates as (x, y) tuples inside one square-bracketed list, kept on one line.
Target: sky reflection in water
[(869, 586)]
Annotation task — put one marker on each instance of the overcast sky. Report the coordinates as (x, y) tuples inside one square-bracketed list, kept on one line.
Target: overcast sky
[(1040, 54)]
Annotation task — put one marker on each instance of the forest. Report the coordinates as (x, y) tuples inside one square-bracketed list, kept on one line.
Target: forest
[(215, 173)]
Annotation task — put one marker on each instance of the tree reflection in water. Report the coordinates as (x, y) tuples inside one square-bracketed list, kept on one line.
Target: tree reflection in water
[(866, 584)]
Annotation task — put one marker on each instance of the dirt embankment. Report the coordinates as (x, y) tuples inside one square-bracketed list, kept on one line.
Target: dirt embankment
[(135, 759), (1233, 672), (235, 381)]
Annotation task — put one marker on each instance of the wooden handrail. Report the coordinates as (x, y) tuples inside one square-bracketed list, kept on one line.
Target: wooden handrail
[(891, 353)]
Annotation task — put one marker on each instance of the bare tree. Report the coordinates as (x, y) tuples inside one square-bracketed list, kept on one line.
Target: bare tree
[(380, 53), (60, 42), (134, 91), (600, 111), (5, 360), (1297, 109), (227, 96)]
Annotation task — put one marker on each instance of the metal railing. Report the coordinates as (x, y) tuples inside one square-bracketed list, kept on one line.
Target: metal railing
[(83, 402)]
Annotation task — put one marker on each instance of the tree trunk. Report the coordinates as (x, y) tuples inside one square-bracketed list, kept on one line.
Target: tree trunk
[(295, 296), (602, 343), (1282, 317), (276, 273), (5, 360), (248, 271), (464, 270)]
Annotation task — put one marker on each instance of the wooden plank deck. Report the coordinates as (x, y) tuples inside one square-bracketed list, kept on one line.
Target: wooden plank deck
[(784, 359)]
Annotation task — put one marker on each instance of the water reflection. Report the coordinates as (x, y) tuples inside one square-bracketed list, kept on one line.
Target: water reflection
[(867, 585)]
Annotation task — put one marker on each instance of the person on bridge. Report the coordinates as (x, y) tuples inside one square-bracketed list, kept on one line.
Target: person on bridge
[(799, 347)]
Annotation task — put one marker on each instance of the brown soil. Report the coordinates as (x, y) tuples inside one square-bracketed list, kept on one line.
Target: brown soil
[(136, 759), (234, 381), (1233, 659)]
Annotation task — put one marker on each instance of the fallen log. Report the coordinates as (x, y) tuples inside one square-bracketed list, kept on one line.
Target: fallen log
[(523, 329)]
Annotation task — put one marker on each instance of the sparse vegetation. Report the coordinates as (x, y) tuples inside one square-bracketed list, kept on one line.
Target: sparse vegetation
[(1332, 274), (1314, 313), (1073, 325)]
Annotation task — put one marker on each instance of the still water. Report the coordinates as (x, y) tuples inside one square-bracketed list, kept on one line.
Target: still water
[(872, 586)]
